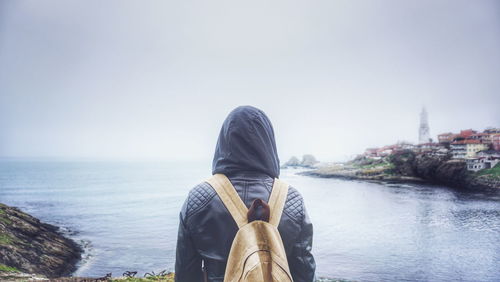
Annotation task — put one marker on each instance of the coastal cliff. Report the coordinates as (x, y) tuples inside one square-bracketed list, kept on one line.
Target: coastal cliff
[(408, 166), (28, 245)]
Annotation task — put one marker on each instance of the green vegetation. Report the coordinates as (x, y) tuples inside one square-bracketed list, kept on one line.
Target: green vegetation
[(5, 219), (5, 239), (375, 165), (169, 277), (379, 165), (3, 216), (492, 172), (4, 268), (372, 165)]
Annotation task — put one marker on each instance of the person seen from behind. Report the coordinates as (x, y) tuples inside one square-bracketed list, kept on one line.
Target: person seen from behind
[(244, 224)]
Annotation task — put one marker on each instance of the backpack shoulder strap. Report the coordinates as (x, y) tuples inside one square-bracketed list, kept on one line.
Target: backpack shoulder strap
[(230, 198), (277, 201)]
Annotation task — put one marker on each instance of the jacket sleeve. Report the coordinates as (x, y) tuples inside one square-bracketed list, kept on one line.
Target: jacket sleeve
[(302, 264), (187, 261)]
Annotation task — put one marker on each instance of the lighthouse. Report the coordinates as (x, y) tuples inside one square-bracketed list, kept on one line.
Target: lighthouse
[(423, 131)]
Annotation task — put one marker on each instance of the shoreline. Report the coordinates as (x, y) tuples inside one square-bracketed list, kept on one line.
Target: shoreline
[(386, 180), (408, 167), (353, 176), (393, 179)]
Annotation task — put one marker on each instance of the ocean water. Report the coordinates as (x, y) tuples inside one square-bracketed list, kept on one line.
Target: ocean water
[(125, 214)]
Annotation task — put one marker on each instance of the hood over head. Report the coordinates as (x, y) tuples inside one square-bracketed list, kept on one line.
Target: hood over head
[(246, 143)]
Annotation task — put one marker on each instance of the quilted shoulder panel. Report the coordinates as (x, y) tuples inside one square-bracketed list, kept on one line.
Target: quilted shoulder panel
[(294, 205), (199, 197)]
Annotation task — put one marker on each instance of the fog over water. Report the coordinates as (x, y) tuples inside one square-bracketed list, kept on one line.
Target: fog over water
[(155, 79)]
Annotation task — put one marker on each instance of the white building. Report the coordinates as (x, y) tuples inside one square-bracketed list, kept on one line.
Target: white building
[(476, 164), (424, 135), (458, 150)]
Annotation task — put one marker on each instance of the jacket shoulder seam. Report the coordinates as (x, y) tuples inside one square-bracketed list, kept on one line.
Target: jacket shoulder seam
[(294, 206), (198, 198)]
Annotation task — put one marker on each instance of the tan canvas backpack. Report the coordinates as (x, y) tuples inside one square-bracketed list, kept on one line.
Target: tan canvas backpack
[(257, 252)]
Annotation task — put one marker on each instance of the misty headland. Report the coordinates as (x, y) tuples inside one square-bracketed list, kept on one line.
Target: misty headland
[(469, 159)]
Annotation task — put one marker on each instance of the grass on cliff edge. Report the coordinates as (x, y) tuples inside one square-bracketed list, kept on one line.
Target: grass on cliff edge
[(163, 278), (5, 239), (4, 268), (387, 165), (3, 215), (492, 172)]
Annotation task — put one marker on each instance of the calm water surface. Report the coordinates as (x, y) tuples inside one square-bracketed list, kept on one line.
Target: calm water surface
[(126, 216)]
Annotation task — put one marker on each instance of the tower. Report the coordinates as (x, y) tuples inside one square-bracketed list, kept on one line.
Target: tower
[(423, 130)]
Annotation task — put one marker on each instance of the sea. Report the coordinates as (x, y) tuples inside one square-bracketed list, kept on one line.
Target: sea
[(125, 216)]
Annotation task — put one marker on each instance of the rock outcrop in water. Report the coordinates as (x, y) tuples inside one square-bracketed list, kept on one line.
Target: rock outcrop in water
[(308, 161), (35, 247)]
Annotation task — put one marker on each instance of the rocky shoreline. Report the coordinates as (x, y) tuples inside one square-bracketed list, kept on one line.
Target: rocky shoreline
[(28, 245), (351, 175), (407, 166)]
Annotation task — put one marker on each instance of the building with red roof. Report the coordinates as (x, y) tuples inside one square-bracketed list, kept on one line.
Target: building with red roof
[(467, 132)]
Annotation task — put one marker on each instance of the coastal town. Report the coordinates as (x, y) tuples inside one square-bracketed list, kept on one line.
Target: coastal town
[(479, 150), (466, 159)]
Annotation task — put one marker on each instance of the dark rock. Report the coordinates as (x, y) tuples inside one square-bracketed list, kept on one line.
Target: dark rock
[(33, 246), (308, 161), (440, 170), (403, 162), (292, 162)]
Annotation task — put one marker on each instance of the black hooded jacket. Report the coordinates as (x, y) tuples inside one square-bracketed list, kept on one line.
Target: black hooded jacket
[(246, 153)]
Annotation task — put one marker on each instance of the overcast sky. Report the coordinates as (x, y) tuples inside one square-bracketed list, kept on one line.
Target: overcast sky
[(155, 79)]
